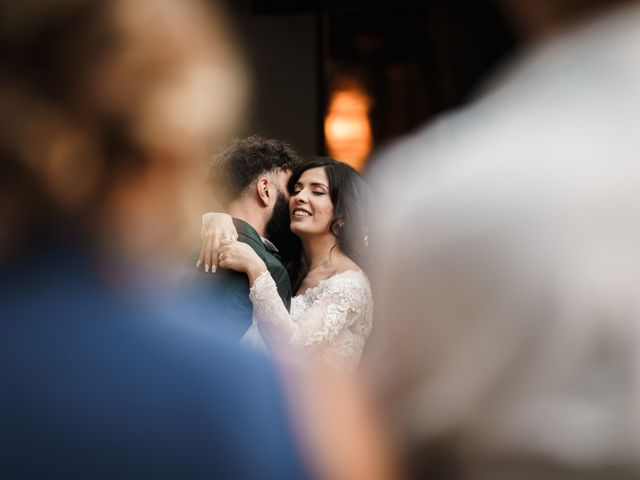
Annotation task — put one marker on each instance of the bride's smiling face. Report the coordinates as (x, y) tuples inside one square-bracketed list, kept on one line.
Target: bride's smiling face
[(310, 204)]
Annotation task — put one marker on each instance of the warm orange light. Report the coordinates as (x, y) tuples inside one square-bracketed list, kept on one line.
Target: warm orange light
[(347, 128)]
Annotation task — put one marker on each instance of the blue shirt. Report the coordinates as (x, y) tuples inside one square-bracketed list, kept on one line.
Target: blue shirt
[(94, 384)]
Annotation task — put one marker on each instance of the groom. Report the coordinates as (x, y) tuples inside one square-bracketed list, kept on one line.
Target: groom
[(249, 179)]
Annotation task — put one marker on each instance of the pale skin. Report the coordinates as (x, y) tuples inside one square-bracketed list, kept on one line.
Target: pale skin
[(311, 214)]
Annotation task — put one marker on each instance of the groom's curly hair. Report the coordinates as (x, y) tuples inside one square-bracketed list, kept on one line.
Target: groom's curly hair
[(243, 161)]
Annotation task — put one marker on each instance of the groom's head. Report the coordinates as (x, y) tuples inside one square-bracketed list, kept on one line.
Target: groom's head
[(249, 179)]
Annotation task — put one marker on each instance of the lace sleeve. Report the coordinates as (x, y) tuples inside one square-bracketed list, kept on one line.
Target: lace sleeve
[(269, 311), (335, 324)]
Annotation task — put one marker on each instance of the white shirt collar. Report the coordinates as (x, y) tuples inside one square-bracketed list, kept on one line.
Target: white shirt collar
[(270, 246)]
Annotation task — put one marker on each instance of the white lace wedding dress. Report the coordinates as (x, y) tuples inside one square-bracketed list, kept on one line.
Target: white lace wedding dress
[(332, 319)]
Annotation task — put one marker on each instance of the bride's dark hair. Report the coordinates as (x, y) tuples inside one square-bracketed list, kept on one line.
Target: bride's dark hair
[(352, 206)]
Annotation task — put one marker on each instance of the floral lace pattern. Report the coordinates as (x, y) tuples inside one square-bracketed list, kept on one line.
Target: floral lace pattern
[(333, 318)]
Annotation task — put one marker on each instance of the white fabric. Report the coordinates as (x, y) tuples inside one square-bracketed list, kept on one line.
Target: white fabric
[(253, 338), (332, 319), (269, 244), (509, 316)]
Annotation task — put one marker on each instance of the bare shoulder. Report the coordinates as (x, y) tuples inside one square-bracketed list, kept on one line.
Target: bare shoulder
[(347, 265), (349, 275), (333, 274)]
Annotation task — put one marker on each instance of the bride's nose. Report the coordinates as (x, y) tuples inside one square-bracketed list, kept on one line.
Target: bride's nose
[(301, 197)]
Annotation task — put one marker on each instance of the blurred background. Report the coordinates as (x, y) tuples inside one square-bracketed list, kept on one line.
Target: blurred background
[(344, 77)]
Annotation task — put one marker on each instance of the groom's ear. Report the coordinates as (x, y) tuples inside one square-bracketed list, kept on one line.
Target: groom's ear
[(263, 189)]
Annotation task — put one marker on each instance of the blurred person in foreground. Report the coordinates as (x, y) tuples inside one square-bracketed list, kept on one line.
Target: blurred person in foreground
[(249, 179), (107, 106), (509, 322)]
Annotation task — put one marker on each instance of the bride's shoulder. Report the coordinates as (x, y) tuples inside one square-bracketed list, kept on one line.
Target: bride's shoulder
[(340, 277), (350, 269), (352, 276), (351, 287)]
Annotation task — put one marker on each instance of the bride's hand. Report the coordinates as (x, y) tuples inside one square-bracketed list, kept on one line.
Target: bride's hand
[(216, 228), (241, 257)]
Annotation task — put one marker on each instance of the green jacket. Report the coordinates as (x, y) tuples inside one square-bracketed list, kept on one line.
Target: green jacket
[(227, 290)]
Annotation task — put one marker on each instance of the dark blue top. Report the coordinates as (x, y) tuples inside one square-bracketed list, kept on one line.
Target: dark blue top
[(229, 289), (95, 384)]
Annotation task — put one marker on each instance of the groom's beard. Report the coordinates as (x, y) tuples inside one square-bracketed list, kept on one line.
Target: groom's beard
[(277, 229)]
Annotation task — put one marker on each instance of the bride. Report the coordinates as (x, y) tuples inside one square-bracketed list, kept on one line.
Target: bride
[(332, 312)]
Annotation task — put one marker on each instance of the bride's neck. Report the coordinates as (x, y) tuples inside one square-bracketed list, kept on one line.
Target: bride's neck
[(320, 250)]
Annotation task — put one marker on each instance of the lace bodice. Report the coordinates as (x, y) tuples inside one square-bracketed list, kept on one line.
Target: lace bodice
[(333, 318)]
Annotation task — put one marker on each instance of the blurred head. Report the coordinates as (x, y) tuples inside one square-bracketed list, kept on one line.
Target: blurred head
[(108, 108), (330, 198), (541, 18)]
